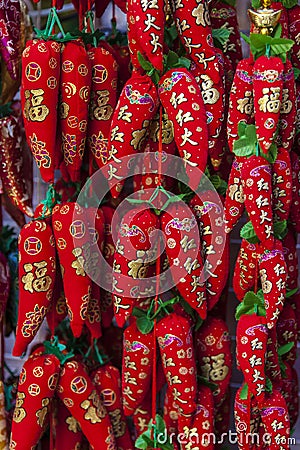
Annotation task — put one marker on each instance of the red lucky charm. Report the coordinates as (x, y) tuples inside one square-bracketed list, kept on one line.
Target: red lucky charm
[(37, 384), (213, 352), (174, 336), (267, 95), (103, 101), (39, 98), (234, 200), (282, 185), (215, 246), (12, 164), (273, 274), (181, 98), (183, 250), (256, 175), (294, 29), (137, 106), (37, 269), (75, 85), (136, 367), (247, 420), (252, 335), (203, 419), (241, 106), (275, 419), (10, 41), (135, 256), (72, 240), (295, 210), (287, 332), (245, 272), (108, 383), (79, 395), (147, 22), (288, 110), (67, 429)]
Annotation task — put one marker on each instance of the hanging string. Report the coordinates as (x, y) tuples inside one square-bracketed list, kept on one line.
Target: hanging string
[(156, 299)]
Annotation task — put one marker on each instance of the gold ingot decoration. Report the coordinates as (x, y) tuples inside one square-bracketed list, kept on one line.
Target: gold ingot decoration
[(265, 18)]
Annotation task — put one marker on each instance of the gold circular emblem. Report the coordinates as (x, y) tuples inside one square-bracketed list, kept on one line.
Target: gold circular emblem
[(33, 71), (32, 245)]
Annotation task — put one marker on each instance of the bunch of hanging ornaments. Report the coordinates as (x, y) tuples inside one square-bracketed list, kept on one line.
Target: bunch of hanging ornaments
[(264, 181), (175, 344)]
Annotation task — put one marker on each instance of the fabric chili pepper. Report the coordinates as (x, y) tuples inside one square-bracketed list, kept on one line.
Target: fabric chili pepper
[(93, 316), (294, 405), (295, 210), (223, 15), (142, 414), (294, 29), (241, 105), (256, 175), (147, 21), (234, 199), (272, 367), (183, 249), (75, 85), (58, 310), (37, 269), (79, 395), (67, 429), (170, 413), (244, 275), (213, 353), (282, 185), (273, 274), (136, 253), (11, 164), (283, 20), (287, 332), (267, 95), (181, 98), (10, 41), (103, 101), (107, 380), (252, 336), (174, 336), (41, 62), (291, 259), (208, 208), (288, 111), (275, 419), (122, 56), (37, 384), (70, 227), (136, 367), (136, 107), (247, 419), (193, 24)]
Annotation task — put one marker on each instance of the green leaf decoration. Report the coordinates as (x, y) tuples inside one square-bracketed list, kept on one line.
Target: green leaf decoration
[(291, 293), (138, 312), (296, 72), (146, 65), (278, 46), (247, 232), (184, 62), (229, 2), (220, 37), (288, 4), (212, 386), (251, 304), (143, 440), (247, 143), (244, 392), (285, 348), (171, 59), (246, 38), (269, 386), (255, 4), (280, 229), (277, 31), (271, 156), (144, 324), (242, 125)]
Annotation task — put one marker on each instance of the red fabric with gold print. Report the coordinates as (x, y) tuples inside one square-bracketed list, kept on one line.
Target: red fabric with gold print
[(37, 268), (75, 83), (79, 395), (72, 239), (67, 429), (103, 101), (37, 384), (39, 98), (108, 383)]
